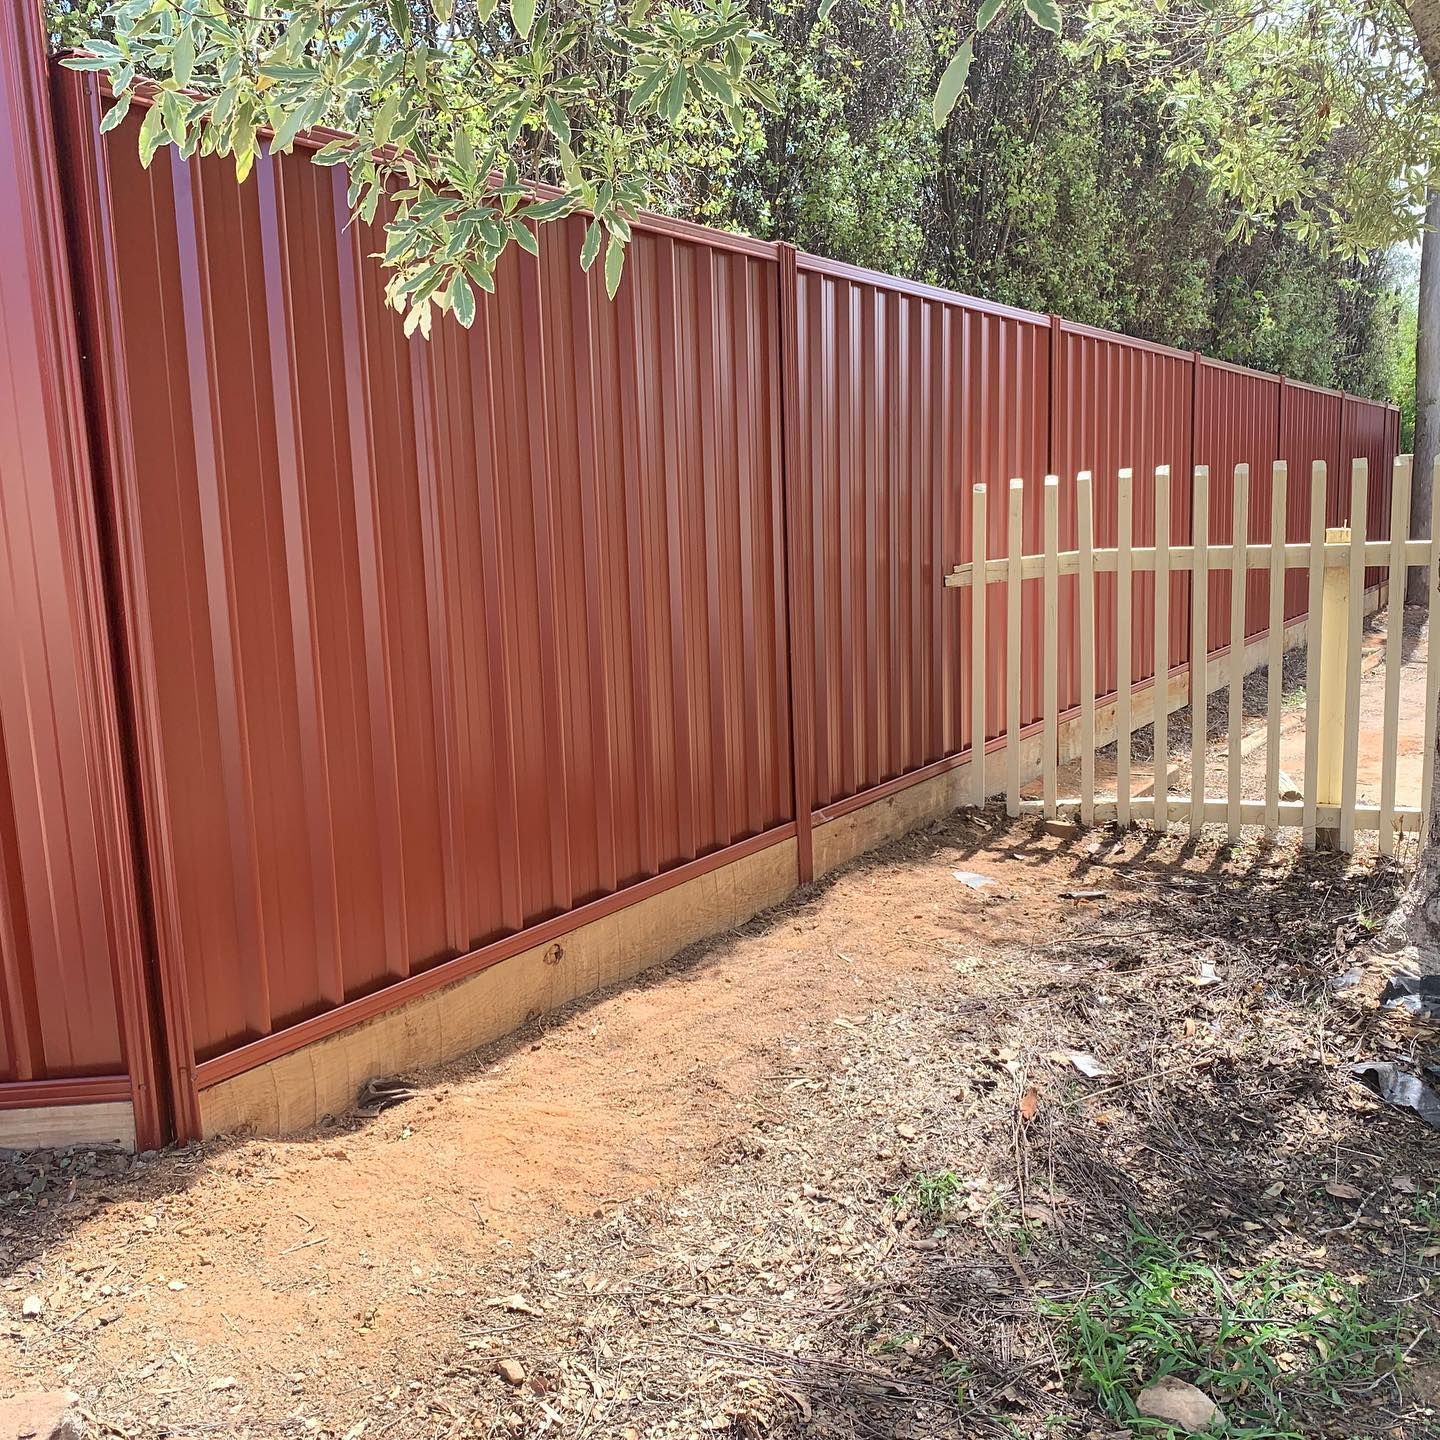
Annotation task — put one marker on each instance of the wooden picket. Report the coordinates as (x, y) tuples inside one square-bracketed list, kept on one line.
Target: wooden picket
[(1123, 598), (1160, 708), (1199, 642), (1335, 562)]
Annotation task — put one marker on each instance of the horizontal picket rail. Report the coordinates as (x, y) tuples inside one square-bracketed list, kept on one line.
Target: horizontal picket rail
[(1295, 555)]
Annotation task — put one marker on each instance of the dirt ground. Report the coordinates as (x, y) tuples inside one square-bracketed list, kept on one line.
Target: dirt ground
[(878, 1163)]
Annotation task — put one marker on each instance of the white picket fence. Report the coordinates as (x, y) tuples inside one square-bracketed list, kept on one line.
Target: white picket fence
[(1335, 560)]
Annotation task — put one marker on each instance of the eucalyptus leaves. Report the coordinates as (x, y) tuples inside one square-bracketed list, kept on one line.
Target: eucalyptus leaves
[(451, 119)]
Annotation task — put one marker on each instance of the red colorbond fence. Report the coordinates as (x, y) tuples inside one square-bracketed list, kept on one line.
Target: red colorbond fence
[(428, 652), (73, 1022), (903, 389), (1121, 402), (434, 642)]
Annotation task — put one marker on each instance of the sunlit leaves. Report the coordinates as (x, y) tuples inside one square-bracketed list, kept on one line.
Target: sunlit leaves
[(1321, 119), (952, 82), (453, 114), (115, 114), (591, 248), (1045, 13), (462, 299), (614, 264), (985, 16)]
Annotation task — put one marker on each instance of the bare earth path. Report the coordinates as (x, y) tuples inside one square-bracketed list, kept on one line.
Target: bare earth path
[(837, 1173)]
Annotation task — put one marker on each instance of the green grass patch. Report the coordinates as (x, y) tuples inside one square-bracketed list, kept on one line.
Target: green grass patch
[(1279, 1349), (930, 1196)]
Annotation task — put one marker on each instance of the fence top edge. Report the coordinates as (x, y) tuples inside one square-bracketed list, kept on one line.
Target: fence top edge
[(1327, 390), (843, 270), (1229, 366), (1114, 337)]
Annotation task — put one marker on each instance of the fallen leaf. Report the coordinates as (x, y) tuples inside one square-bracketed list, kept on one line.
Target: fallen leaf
[(1341, 1191), (225, 1382), (1179, 1403), (1087, 1065), (1029, 1103), (518, 1303)]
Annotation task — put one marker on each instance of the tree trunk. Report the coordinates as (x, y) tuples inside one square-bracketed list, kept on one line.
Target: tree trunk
[(1427, 389), (1415, 926), (1425, 18)]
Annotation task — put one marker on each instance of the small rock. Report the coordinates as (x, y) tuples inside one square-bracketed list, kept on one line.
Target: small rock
[(1179, 1403), (33, 1307), (40, 1415), (512, 1372)]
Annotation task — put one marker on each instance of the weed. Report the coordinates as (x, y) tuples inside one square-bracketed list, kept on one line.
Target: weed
[(929, 1196), (962, 1375), (896, 1344), (1427, 1211), (1272, 1345)]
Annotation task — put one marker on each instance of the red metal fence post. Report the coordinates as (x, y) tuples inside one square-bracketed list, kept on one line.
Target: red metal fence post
[(799, 589), (1050, 401), (98, 297), (76, 944)]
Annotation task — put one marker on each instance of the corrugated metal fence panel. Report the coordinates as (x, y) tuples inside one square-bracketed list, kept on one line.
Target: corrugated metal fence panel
[(1121, 403), (1370, 433), (439, 640), (912, 397), (69, 939), (1309, 431), (1237, 421)]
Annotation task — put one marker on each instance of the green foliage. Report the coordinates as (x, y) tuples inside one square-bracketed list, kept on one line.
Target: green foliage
[(1318, 116), (1402, 353), (1270, 1344), (450, 112), (1053, 185)]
